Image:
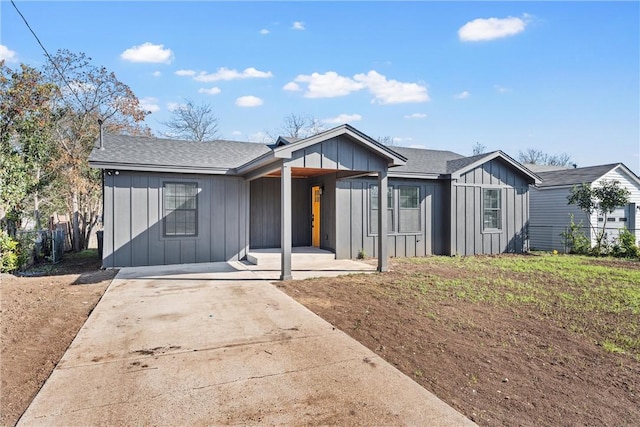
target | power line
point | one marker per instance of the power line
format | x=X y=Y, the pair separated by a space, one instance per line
x=55 y=66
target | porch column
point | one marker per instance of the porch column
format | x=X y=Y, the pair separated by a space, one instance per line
x=383 y=238
x=285 y=225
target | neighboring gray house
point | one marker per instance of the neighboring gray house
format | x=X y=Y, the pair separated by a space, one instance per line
x=550 y=211
x=169 y=201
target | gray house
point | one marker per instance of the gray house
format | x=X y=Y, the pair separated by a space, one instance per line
x=551 y=213
x=169 y=201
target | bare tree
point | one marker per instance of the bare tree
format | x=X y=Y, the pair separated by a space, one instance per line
x=386 y=140
x=479 y=148
x=537 y=157
x=193 y=122
x=298 y=126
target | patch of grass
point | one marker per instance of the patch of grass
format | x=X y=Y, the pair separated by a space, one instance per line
x=612 y=348
x=595 y=299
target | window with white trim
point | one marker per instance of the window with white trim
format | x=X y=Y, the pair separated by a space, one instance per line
x=492 y=209
x=180 y=209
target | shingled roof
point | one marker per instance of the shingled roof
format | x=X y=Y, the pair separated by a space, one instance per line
x=122 y=150
x=423 y=161
x=574 y=176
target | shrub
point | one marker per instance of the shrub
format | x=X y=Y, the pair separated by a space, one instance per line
x=575 y=239
x=9 y=254
x=625 y=245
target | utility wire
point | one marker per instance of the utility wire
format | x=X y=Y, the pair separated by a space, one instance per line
x=55 y=66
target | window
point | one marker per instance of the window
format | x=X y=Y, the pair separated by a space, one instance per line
x=180 y=209
x=492 y=209
x=373 y=204
x=409 y=212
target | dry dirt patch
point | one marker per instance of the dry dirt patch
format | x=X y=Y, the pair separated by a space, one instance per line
x=41 y=315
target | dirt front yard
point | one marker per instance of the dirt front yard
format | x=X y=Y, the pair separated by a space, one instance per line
x=508 y=341
x=40 y=317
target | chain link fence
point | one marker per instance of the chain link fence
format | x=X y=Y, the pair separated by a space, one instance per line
x=549 y=237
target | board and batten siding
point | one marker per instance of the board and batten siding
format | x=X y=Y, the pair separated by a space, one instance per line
x=353 y=232
x=338 y=153
x=467 y=234
x=265 y=207
x=133 y=220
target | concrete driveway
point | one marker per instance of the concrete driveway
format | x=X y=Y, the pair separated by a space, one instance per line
x=217 y=344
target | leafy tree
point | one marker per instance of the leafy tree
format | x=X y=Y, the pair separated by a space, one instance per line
x=83 y=95
x=26 y=151
x=193 y=122
x=603 y=199
x=537 y=157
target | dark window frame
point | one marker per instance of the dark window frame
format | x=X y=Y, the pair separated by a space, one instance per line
x=167 y=211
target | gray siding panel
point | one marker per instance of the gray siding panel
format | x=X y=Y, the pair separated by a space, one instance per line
x=265 y=213
x=352 y=216
x=139 y=224
x=133 y=228
x=467 y=234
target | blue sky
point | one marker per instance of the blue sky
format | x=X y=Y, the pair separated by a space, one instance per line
x=554 y=76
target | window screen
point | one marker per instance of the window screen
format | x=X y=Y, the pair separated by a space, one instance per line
x=180 y=209
x=373 y=211
x=492 y=209
x=409 y=212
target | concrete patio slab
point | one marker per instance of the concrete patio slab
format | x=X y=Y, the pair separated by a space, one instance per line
x=215 y=344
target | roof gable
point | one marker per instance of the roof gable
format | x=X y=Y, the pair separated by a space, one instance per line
x=393 y=158
x=461 y=166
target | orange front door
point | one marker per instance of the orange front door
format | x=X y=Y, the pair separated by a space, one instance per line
x=316 y=192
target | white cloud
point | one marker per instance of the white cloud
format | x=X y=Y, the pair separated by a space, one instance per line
x=291 y=86
x=491 y=28
x=298 y=25
x=501 y=89
x=416 y=116
x=462 y=95
x=156 y=74
x=249 y=101
x=343 y=118
x=236 y=133
x=225 y=74
x=149 y=104
x=211 y=91
x=331 y=85
x=7 y=54
x=264 y=31
x=327 y=85
x=391 y=91
x=148 y=52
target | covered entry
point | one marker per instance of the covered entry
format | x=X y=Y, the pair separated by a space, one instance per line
x=286 y=182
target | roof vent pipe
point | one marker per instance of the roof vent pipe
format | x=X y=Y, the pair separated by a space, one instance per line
x=101 y=140
x=575 y=165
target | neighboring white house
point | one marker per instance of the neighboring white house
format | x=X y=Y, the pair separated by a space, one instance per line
x=550 y=211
